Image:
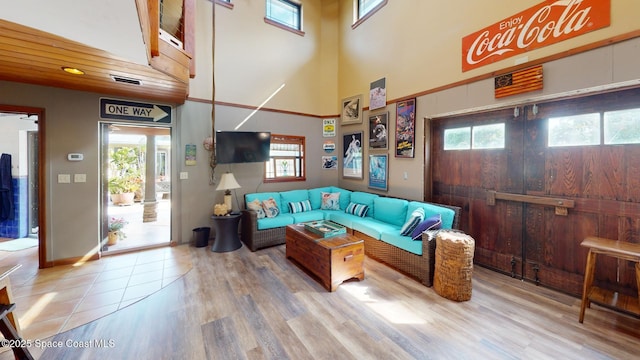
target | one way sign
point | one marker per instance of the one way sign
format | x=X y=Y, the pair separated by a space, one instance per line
x=129 y=110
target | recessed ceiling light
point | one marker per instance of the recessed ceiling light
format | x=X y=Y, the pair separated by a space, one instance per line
x=73 y=71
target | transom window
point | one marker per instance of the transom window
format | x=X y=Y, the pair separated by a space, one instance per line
x=286 y=160
x=479 y=137
x=285 y=12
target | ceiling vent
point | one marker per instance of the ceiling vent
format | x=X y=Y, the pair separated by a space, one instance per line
x=126 y=80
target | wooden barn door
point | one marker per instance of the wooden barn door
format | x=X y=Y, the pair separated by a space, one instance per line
x=530 y=203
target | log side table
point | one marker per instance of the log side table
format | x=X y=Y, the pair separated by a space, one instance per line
x=227 y=238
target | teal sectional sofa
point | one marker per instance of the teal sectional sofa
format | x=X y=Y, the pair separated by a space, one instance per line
x=380 y=227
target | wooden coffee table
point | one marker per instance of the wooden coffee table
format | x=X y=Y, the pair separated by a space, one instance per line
x=333 y=260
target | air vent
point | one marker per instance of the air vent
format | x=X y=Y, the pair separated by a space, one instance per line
x=126 y=80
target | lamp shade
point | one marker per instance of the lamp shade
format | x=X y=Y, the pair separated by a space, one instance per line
x=228 y=182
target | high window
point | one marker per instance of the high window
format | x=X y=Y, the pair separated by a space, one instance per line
x=284 y=12
x=286 y=162
x=363 y=9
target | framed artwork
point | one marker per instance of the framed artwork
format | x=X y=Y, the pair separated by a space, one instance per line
x=190 y=154
x=378 y=131
x=328 y=127
x=352 y=110
x=378 y=94
x=330 y=162
x=352 y=150
x=378 y=166
x=405 y=128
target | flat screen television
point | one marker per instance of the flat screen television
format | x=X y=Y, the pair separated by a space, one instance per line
x=233 y=147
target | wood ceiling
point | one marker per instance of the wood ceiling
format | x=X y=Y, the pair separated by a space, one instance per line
x=32 y=56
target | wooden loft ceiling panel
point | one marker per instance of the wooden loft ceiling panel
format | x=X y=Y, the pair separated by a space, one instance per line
x=32 y=56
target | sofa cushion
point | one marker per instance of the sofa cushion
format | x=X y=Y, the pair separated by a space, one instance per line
x=315 y=196
x=330 y=201
x=256 y=206
x=340 y=217
x=364 y=198
x=357 y=209
x=313 y=215
x=345 y=196
x=373 y=228
x=276 y=222
x=433 y=209
x=271 y=208
x=417 y=216
x=299 y=206
x=431 y=223
x=403 y=242
x=390 y=210
x=290 y=196
x=263 y=196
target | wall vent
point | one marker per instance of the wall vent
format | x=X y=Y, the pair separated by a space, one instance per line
x=126 y=80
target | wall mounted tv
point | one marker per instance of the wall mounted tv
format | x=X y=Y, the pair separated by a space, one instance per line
x=234 y=147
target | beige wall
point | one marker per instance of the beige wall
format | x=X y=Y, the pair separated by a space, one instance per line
x=253 y=59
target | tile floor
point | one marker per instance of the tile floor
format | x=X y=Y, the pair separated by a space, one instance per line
x=53 y=300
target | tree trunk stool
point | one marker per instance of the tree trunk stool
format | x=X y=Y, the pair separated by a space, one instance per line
x=453 y=265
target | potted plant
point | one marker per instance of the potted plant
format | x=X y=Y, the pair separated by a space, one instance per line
x=115 y=230
x=126 y=175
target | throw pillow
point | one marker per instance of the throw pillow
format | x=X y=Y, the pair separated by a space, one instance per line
x=300 y=206
x=256 y=206
x=357 y=209
x=417 y=216
x=270 y=208
x=330 y=201
x=430 y=223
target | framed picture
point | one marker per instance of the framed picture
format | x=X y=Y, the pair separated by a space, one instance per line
x=352 y=159
x=405 y=128
x=378 y=166
x=330 y=162
x=378 y=94
x=378 y=131
x=352 y=110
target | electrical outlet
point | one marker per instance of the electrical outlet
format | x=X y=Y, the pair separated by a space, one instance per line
x=79 y=178
x=184 y=175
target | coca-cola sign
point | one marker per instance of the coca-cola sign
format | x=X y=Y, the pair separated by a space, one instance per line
x=544 y=24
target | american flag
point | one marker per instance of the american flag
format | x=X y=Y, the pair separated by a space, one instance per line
x=518 y=82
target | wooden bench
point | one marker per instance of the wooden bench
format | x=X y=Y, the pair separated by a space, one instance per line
x=617 y=249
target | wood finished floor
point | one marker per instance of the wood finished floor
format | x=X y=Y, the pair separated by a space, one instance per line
x=243 y=305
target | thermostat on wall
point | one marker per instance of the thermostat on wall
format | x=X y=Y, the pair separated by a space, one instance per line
x=75 y=157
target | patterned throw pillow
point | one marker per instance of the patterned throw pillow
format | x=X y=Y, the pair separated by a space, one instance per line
x=270 y=208
x=330 y=201
x=357 y=209
x=300 y=206
x=417 y=216
x=430 y=223
x=256 y=206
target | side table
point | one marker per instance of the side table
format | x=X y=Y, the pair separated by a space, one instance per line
x=227 y=238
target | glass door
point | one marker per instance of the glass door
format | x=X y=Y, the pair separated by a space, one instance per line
x=136 y=187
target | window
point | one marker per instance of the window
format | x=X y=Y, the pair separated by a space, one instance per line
x=457 y=139
x=363 y=9
x=225 y=3
x=480 y=137
x=284 y=12
x=488 y=137
x=621 y=127
x=575 y=130
x=286 y=162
